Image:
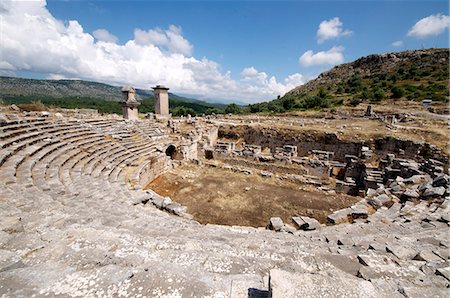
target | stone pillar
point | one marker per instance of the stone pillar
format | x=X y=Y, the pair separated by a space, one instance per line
x=369 y=111
x=129 y=103
x=161 y=100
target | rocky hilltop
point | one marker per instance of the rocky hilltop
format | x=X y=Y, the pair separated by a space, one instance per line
x=415 y=67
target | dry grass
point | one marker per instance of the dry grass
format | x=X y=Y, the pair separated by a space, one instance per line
x=35 y=106
x=223 y=197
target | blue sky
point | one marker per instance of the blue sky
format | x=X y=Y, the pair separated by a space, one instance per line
x=234 y=50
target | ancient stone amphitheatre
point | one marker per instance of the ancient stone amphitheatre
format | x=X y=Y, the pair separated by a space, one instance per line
x=341 y=203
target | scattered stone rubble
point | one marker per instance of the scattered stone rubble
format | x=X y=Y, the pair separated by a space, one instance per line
x=74 y=223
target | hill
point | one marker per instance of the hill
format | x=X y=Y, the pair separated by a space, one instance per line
x=411 y=75
x=86 y=94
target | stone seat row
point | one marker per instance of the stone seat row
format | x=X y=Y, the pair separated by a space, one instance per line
x=30 y=152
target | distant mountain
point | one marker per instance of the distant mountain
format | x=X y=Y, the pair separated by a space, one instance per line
x=410 y=75
x=71 y=93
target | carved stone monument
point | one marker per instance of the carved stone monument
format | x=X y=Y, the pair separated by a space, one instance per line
x=129 y=103
x=161 y=100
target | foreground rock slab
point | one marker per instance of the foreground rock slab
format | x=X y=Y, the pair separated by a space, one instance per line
x=324 y=284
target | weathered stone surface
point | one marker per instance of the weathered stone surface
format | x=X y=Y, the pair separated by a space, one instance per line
x=339 y=216
x=420 y=292
x=401 y=251
x=306 y=223
x=359 y=211
x=427 y=256
x=11 y=224
x=384 y=199
x=443 y=180
x=445 y=272
x=328 y=284
x=276 y=223
x=374 y=202
x=434 y=191
x=411 y=193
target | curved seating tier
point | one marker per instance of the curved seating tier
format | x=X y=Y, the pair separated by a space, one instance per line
x=53 y=154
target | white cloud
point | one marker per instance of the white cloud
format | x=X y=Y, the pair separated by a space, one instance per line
x=170 y=39
x=261 y=81
x=251 y=74
x=331 y=57
x=57 y=76
x=33 y=40
x=331 y=29
x=397 y=43
x=104 y=35
x=430 y=26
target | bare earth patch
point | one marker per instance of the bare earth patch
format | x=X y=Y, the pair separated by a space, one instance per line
x=224 y=197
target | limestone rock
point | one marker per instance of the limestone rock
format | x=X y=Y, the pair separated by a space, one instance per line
x=445 y=272
x=276 y=223
x=359 y=211
x=339 y=216
x=434 y=191
x=327 y=284
x=427 y=256
x=443 y=180
x=11 y=224
x=306 y=223
x=411 y=193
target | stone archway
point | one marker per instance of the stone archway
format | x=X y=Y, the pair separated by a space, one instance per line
x=171 y=151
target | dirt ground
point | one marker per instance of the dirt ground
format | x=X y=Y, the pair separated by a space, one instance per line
x=224 y=197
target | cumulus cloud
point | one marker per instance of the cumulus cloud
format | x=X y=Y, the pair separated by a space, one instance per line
x=104 y=35
x=397 y=43
x=331 y=29
x=171 y=39
x=331 y=57
x=251 y=74
x=33 y=40
x=261 y=81
x=430 y=26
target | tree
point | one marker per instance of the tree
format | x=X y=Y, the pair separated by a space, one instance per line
x=379 y=95
x=288 y=103
x=183 y=111
x=232 y=109
x=397 y=92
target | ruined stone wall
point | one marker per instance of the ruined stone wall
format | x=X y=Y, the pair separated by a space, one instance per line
x=305 y=142
x=152 y=169
x=269 y=167
x=409 y=149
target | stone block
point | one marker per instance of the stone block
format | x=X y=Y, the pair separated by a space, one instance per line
x=306 y=223
x=411 y=193
x=11 y=224
x=331 y=283
x=276 y=223
x=427 y=256
x=176 y=208
x=375 y=203
x=434 y=191
x=443 y=180
x=445 y=272
x=359 y=211
x=339 y=216
x=400 y=251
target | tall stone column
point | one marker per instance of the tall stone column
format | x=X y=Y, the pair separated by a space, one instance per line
x=161 y=100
